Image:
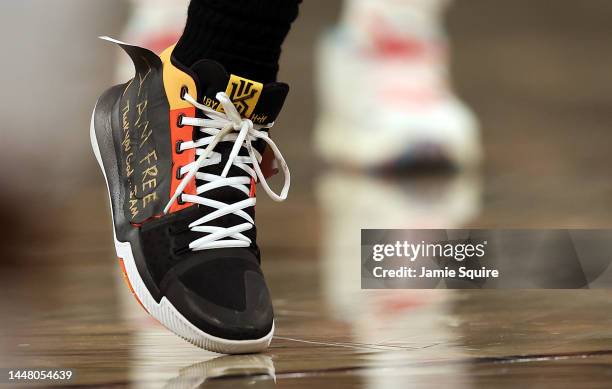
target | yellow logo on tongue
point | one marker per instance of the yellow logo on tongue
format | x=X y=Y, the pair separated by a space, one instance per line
x=244 y=94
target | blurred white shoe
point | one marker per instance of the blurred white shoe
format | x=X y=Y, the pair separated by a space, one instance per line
x=385 y=95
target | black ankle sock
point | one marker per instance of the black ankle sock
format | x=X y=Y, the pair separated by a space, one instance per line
x=245 y=36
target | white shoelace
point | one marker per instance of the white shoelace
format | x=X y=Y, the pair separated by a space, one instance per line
x=221 y=127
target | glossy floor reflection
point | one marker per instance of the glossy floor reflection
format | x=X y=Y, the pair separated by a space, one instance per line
x=72 y=312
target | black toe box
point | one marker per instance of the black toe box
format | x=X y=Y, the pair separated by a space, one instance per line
x=223 y=293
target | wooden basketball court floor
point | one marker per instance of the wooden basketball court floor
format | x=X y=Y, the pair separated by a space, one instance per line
x=538 y=76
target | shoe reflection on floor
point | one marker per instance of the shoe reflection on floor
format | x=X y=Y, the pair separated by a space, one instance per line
x=161 y=359
x=259 y=368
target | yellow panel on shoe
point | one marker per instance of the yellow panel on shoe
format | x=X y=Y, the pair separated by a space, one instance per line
x=174 y=80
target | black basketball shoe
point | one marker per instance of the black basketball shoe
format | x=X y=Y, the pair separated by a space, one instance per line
x=182 y=150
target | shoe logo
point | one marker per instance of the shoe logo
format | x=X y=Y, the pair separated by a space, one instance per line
x=244 y=94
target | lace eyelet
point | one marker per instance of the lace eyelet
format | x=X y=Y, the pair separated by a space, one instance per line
x=178 y=147
x=180 y=201
x=179 y=121
x=184 y=91
x=178 y=173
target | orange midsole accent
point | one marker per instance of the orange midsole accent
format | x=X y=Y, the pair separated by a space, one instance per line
x=127 y=281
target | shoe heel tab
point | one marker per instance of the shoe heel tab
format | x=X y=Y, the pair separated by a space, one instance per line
x=144 y=60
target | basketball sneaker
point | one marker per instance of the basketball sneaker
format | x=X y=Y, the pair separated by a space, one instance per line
x=385 y=94
x=182 y=150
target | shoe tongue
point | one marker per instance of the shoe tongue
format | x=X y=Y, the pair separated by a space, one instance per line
x=259 y=103
x=256 y=101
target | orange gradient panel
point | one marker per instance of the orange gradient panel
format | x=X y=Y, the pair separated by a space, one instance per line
x=253 y=188
x=181 y=134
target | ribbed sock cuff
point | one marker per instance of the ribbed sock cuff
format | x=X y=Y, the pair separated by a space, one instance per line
x=244 y=35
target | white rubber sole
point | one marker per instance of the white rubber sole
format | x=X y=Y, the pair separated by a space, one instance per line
x=164 y=311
